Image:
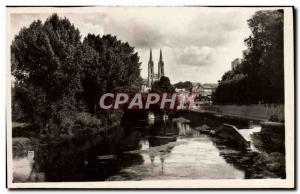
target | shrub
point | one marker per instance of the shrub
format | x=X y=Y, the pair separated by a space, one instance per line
x=87 y=119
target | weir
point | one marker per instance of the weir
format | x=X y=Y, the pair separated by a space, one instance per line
x=234 y=131
x=233 y=135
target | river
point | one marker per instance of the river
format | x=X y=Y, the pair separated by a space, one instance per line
x=157 y=150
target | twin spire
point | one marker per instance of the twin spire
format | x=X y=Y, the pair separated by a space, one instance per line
x=160 y=55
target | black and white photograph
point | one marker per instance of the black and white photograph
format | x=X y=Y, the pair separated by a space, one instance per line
x=150 y=97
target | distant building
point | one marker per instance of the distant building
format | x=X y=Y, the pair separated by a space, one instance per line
x=182 y=92
x=198 y=90
x=235 y=63
x=145 y=87
x=209 y=89
x=203 y=92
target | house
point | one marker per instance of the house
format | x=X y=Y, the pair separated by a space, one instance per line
x=145 y=87
x=198 y=90
x=209 y=89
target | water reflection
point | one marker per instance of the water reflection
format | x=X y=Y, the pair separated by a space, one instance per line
x=161 y=149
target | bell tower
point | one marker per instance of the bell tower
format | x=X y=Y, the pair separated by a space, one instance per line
x=150 y=70
x=161 y=71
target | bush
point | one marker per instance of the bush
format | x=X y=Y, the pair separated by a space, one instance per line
x=87 y=119
x=273 y=162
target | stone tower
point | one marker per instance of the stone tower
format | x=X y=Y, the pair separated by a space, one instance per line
x=161 y=71
x=150 y=70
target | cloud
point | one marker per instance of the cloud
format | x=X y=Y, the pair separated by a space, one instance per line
x=91 y=18
x=198 y=43
x=147 y=27
x=195 y=56
x=213 y=28
x=136 y=32
x=155 y=27
x=87 y=22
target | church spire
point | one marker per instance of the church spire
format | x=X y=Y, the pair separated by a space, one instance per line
x=160 y=56
x=150 y=70
x=161 y=71
x=150 y=58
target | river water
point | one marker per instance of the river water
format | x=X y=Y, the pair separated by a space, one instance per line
x=157 y=150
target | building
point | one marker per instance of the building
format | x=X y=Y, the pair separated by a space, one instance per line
x=152 y=77
x=182 y=92
x=203 y=92
x=198 y=90
x=209 y=89
x=144 y=87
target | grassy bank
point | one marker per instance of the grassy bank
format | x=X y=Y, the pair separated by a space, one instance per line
x=259 y=111
x=27 y=137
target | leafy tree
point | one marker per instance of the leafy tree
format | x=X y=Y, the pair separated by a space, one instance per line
x=266 y=54
x=91 y=77
x=46 y=65
x=113 y=65
x=163 y=86
x=118 y=60
x=54 y=71
x=259 y=78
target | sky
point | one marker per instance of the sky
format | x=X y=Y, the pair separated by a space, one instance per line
x=198 y=43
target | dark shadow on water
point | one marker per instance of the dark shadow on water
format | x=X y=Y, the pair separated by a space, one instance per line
x=95 y=158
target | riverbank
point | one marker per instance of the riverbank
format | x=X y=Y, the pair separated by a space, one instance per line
x=267 y=159
x=269 y=117
x=260 y=112
x=27 y=137
x=37 y=156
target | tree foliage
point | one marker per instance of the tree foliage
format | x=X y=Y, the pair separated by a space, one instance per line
x=46 y=64
x=259 y=78
x=57 y=75
x=113 y=64
x=184 y=85
x=163 y=86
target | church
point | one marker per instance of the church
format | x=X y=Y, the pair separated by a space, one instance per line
x=152 y=77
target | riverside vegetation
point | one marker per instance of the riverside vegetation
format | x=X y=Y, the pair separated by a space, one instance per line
x=259 y=76
x=59 y=76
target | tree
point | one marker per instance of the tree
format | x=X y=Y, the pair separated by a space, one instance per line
x=115 y=65
x=46 y=65
x=163 y=86
x=260 y=75
x=184 y=85
x=266 y=54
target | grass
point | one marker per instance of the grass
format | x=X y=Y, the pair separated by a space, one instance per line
x=261 y=111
